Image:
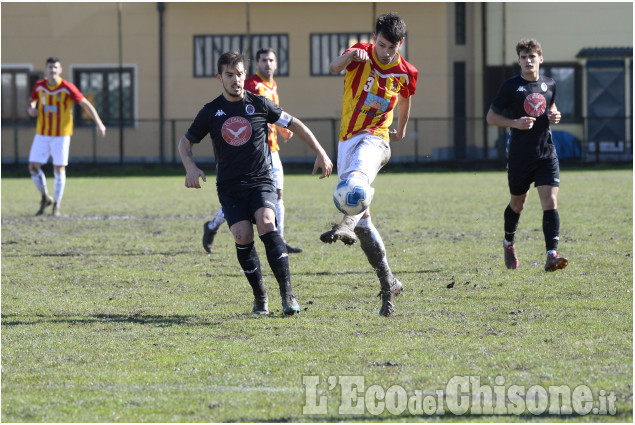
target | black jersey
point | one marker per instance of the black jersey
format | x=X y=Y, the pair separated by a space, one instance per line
x=239 y=136
x=518 y=97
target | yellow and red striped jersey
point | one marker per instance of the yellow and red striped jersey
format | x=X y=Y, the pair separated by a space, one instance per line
x=371 y=92
x=55 y=107
x=258 y=85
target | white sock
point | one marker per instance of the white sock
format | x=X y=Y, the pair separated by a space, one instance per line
x=352 y=220
x=280 y=216
x=60 y=184
x=219 y=219
x=552 y=252
x=40 y=181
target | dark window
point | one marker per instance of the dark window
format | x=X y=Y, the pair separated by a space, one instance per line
x=326 y=47
x=459 y=23
x=101 y=87
x=460 y=111
x=16 y=90
x=208 y=48
x=568 y=80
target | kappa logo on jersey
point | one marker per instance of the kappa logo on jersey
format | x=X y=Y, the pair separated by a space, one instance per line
x=535 y=105
x=236 y=131
x=220 y=113
x=521 y=88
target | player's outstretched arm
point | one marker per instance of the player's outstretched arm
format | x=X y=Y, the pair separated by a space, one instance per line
x=192 y=172
x=322 y=161
x=90 y=110
x=341 y=62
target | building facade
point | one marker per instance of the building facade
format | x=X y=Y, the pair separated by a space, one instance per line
x=149 y=67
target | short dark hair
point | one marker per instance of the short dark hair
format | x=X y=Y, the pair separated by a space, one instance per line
x=528 y=45
x=391 y=26
x=264 y=51
x=231 y=59
x=53 y=59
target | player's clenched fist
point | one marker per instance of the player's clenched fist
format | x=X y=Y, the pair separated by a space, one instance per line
x=359 y=55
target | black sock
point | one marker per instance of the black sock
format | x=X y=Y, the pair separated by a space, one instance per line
x=278 y=259
x=551 y=229
x=511 y=224
x=250 y=263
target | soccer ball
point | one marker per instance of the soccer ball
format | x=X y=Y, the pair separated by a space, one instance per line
x=353 y=195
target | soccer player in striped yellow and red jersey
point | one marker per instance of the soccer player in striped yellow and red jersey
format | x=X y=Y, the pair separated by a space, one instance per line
x=377 y=81
x=52 y=103
x=262 y=83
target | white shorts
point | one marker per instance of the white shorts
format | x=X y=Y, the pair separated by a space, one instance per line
x=365 y=153
x=278 y=175
x=44 y=147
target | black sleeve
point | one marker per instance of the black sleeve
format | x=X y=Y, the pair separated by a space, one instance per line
x=273 y=111
x=199 y=127
x=502 y=100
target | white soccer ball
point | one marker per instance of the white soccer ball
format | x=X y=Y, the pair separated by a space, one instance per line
x=353 y=195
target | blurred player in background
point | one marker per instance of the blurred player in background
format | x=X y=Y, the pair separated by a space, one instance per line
x=237 y=121
x=52 y=103
x=377 y=80
x=261 y=83
x=529 y=99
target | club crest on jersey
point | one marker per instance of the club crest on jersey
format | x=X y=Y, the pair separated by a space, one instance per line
x=250 y=109
x=535 y=105
x=544 y=87
x=236 y=131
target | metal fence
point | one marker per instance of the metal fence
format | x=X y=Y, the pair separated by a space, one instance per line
x=428 y=140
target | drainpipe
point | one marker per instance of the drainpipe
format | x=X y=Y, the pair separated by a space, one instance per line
x=161 y=10
x=484 y=73
x=120 y=37
x=248 y=40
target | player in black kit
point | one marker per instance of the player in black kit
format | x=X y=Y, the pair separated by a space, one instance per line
x=526 y=104
x=237 y=123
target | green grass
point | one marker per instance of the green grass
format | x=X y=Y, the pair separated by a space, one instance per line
x=114 y=313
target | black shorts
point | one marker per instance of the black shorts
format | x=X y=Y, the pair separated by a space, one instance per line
x=240 y=205
x=541 y=172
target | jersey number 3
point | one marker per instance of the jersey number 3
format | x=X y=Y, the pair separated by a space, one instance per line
x=369 y=84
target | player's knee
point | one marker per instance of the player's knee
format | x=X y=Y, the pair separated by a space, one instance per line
x=550 y=203
x=517 y=203
x=517 y=207
x=33 y=168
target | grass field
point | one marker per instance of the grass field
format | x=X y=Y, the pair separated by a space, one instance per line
x=114 y=313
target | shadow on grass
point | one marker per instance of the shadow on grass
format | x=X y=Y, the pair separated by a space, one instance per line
x=143 y=319
x=162 y=321
x=397 y=273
